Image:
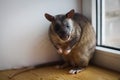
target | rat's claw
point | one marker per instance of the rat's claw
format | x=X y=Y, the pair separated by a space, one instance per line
x=72 y=71
x=75 y=71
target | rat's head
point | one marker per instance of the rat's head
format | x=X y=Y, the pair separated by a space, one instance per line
x=62 y=24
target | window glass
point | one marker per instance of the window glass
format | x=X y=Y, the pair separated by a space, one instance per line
x=110 y=23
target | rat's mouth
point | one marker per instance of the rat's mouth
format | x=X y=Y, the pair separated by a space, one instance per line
x=64 y=37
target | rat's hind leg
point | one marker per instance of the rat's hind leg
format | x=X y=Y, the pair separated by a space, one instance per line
x=76 y=70
x=83 y=63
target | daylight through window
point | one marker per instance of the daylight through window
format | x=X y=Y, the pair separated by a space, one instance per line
x=110 y=23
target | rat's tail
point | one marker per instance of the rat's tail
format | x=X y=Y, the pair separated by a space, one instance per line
x=21 y=71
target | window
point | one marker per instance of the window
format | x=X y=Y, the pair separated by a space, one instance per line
x=108 y=22
x=107 y=31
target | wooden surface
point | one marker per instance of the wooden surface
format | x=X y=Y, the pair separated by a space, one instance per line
x=51 y=73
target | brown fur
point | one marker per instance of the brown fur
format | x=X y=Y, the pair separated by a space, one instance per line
x=82 y=41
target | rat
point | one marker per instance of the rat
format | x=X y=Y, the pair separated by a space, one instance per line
x=74 y=38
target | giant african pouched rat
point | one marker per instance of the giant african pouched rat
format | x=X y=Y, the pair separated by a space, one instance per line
x=74 y=38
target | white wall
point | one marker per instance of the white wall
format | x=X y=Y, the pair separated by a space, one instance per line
x=24 y=31
x=86 y=8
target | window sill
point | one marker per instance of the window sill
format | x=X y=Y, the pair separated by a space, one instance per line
x=107 y=58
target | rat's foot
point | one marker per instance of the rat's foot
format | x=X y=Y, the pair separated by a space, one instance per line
x=62 y=66
x=76 y=70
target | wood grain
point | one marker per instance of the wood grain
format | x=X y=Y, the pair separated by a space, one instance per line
x=51 y=73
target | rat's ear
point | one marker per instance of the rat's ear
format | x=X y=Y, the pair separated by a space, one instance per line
x=49 y=17
x=70 y=14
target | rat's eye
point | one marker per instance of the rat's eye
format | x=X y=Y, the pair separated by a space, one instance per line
x=67 y=26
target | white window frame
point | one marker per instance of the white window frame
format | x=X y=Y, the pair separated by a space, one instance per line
x=104 y=57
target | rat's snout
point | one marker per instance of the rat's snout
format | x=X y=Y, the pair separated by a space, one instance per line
x=64 y=35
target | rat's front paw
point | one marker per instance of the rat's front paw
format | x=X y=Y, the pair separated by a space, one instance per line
x=67 y=51
x=60 y=51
